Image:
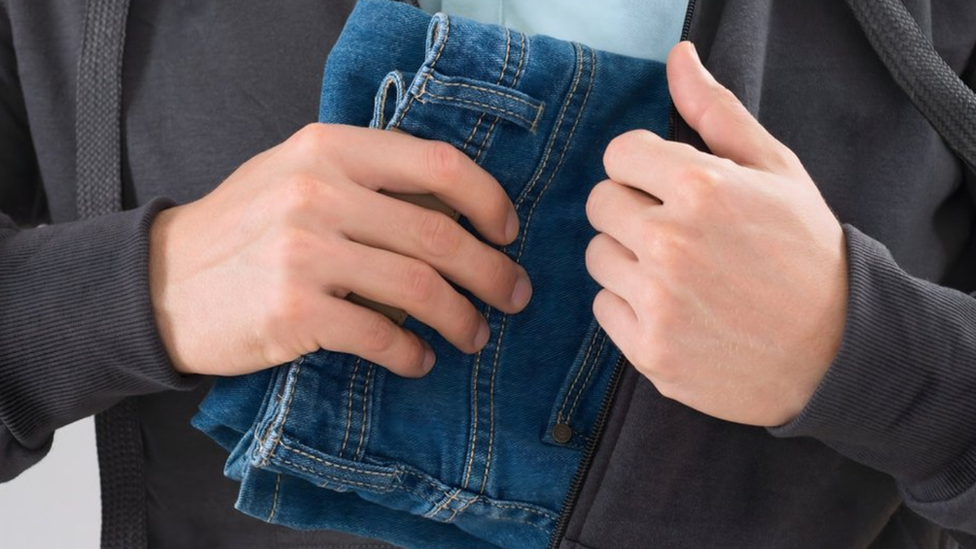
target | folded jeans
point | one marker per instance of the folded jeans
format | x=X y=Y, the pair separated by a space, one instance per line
x=482 y=451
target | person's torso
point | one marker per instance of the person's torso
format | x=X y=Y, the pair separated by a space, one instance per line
x=208 y=85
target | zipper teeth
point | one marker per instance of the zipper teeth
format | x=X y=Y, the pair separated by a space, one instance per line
x=601 y=422
x=685 y=30
x=588 y=454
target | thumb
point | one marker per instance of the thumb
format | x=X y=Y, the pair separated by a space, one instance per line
x=721 y=120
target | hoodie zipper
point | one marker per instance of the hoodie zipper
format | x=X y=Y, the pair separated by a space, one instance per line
x=586 y=462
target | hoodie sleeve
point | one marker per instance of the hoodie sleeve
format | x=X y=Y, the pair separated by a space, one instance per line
x=77 y=330
x=900 y=395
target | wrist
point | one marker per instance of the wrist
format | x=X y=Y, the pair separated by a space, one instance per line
x=163 y=243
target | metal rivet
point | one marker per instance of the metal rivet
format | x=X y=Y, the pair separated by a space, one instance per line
x=562 y=433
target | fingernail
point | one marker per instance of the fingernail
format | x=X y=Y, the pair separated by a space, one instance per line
x=511 y=226
x=523 y=290
x=429 y=360
x=694 y=51
x=481 y=339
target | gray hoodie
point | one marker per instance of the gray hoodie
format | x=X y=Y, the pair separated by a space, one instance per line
x=883 y=457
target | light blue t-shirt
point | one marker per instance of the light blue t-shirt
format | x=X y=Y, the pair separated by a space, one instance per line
x=639 y=28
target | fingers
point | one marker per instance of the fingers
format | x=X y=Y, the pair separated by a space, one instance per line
x=413 y=286
x=725 y=125
x=612 y=266
x=398 y=162
x=620 y=211
x=436 y=239
x=374 y=337
x=618 y=320
x=643 y=160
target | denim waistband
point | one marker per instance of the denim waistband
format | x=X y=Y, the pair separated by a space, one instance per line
x=481 y=452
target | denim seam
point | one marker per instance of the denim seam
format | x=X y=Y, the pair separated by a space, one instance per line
x=475 y=499
x=365 y=419
x=457 y=511
x=555 y=132
x=525 y=522
x=352 y=382
x=583 y=366
x=491 y=390
x=481 y=118
x=484 y=142
x=478 y=498
x=594 y=367
x=513 y=114
x=509 y=96
x=474 y=130
x=447 y=494
x=336 y=480
x=274 y=499
x=543 y=514
x=477 y=126
x=443 y=503
x=284 y=416
x=433 y=63
x=504 y=321
x=523 y=52
x=474 y=409
x=562 y=155
x=267 y=431
x=333 y=464
x=491 y=405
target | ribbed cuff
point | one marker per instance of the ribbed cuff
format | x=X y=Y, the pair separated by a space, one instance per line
x=77 y=329
x=900 y=395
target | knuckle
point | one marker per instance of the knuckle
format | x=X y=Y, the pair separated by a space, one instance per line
x=781 y=159
x=379 y=334
x=651 y=298
x=291 y=251
x=419 y=282
x=721 y=102
x=727 y=98
x=470 y=325
x=591 y=254
x=288 y=309
x=444 y=162
x=699 y=182
x=312 y=139
x=623 y=147
x=439 y=234
x=649 y=232
x=502 y=275
x=655 y=360
x=666 y=247
x=412 y=359
x=700 y=187
x=300 y=193
x=596 y=199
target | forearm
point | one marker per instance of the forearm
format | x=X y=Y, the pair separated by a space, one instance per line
x=901 y=394
x=77 y=331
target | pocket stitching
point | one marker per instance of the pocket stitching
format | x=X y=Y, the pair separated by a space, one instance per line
x=352 y=382
x=584 y=366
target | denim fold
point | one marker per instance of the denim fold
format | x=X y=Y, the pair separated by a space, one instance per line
x=483 y=450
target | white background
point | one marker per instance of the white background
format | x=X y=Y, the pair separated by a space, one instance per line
x=55 y=504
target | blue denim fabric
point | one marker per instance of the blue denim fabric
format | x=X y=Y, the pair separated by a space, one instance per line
x=481 y=452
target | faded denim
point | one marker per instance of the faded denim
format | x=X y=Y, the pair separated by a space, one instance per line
x=481 y=452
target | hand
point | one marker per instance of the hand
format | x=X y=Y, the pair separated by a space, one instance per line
x=725 y=274
x=255 y=273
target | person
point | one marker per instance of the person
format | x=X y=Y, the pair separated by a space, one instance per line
x=803 y=350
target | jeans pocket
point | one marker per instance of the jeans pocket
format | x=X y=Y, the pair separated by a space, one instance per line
x=577 y=403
